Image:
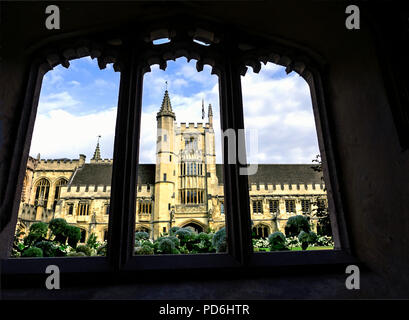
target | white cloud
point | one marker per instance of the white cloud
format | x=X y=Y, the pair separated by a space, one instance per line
x=60 y=134
x=280 y=109
x=62 y=100
x=53 y=77
x=276 y=105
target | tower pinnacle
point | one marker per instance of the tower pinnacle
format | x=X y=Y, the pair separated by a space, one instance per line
x=166 y=108
x=210 y=114
x=97 y=152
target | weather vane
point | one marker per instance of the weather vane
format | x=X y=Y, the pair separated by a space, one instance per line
x=166 y=85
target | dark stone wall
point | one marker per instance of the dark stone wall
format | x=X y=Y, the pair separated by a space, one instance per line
x=373 y=171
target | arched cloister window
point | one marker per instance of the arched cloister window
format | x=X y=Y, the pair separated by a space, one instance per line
x=57 y=190
x=42 y=191
x=234 y=203
x=261 y=231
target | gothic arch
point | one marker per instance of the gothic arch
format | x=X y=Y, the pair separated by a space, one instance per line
x=142 y=228
x=261 y=230
x=58 y=183
x=196 y=225
x=42 y=190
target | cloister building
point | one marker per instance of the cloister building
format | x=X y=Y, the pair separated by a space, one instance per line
x=183 y=188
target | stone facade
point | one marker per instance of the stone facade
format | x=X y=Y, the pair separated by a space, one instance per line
x=183 y=188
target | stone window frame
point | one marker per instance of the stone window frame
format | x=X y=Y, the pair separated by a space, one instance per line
x=288 y=206
x=271 y=203
x=80 y=205
x=71 y=207
x=231 y=51
x=257 y=206
x=302 y=201
x=47 y=187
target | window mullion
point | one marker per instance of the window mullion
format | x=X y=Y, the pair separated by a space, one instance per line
x=236 y=186
x=124 y=171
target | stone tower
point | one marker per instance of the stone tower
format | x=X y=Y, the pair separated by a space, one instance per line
x=166 y=163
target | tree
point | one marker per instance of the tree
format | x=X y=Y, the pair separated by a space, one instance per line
x=38 y=232
x=296 y=224
x=321 y=211
x=277 y=241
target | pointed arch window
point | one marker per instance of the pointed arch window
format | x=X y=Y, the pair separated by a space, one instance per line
x=42 y=191
x=57 y=190
x=127 y=145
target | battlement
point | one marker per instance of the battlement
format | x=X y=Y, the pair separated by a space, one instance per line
x=143 y=189
x=287 y=188
x=98 y=190
x=88 y=190
x=102 y=161
x=60 y=164
x=191 y=125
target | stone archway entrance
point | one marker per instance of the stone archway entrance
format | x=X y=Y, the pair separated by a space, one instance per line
x=194 y=226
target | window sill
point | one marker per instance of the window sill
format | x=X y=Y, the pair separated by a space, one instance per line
x=30 y=272
x=180 y=261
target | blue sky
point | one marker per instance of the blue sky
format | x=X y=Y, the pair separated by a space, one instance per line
x=78 y=104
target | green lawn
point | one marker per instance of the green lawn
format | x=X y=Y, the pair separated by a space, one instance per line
x=297 y=249
x=313 y=248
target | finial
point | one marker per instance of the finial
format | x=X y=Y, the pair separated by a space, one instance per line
x=97 y=152
x=166 y=85
x=166 y=108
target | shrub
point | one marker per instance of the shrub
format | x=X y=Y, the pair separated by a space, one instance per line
x=84 y=249
x=39 y=228
x=73 y=234
x=32 y=252
x=38 y=232
x=277 y=241
x=203 y=236
x=92 y=241
x=295 y=225
x=304 y=238
x=307 y=238
x=313 y=238
x=141 y=235
x=219 y=240
x=166 y=246
x=183 y=250
x=292 y=242
x=173 y=230
x=102 y=250
x=76 y=254
x=142 y=243
x=58 y=229
x=144 y=250
x=261 y=243
x=49 y=248
x=174 y=239
x=184 y=235
x=325 y=241
x=203 y=243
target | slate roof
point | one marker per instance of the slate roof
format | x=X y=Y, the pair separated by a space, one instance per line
x=281 y=174
x=100 y=174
